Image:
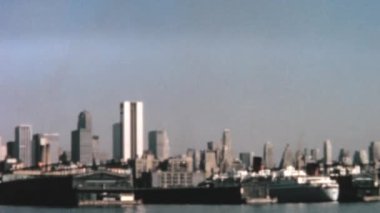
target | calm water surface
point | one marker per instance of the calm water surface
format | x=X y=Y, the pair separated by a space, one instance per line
x=287 y=208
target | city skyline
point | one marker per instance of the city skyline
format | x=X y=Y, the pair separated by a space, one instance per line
x=291 y=73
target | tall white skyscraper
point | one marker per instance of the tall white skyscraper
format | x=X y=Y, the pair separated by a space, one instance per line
x=268 y=156
x=132 y=130
x=327 y=152
x=23 y=144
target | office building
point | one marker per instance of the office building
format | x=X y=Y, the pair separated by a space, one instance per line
x=131 y=130
x=374 y=153
x=314 y=155
x=82 y=140
x=170 y=179
x=11 y=149
x=211 y=146
x=268 y=156
x=23 y=144
x=159 y=144
x=3 y=150
x=246 y=159
x=287 y=157
x=197 y=158
x=345 y=157
x=300 y=159
x=45 y=149
x=227 y=155
x=116 y=138
x=361 y=158
x=210 y=166
x=327 y=153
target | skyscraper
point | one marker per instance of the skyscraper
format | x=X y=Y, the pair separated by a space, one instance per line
x=361 y=158
x=227 y=156
x=23 y=143
x=45 y=149
x=247 y=159
x=3 y=150
x=268 y=155
x=314 y=154
x=327 y=153
x=374 y=153
x=131 y=130
x=159 y=144
x=11 y=149
x=345 y=157
x=81 y=140
x=116 y=137
x=287 y=157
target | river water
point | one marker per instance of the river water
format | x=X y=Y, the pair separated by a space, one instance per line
x=287 y=208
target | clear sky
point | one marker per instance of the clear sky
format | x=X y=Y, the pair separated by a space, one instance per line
x=294 y=72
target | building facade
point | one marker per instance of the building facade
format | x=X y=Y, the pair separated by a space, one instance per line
x=268 y=155
x=45 y=149
x=246 y=159
x=116 y=138
x=327 y=153
x=131 y=130
x=23 y=144
x=82 y=140
x=159 y=144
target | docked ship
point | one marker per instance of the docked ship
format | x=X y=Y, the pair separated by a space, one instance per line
x=356 y=188
x=295 y=186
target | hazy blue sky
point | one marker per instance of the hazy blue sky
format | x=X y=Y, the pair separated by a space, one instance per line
x=294 y=72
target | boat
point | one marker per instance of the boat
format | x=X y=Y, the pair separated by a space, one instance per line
x=358 y=188
x=297 y=187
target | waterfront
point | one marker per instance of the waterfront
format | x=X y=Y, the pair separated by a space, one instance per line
x=286 y=208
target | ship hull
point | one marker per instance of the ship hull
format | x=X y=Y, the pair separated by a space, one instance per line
x=192 y=195
x=304 y=194
x=48 y=191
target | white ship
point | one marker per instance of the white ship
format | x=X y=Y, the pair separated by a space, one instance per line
x=295 y=186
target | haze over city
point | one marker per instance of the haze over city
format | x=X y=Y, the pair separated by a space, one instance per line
x=284 y=71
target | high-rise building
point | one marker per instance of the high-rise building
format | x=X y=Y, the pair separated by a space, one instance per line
x=195 y=155
x=210 y=165
x=327 y=153
x=246 y=159
x=227 y=156
x=23 y=143
x=300 y=159
x=81 y=140
x=45 y=149
x=361 y=158
x=116 y=137
x=287 y=157
x=3 y=150
x=211 y=146
x=132 y=130
x=96 y=148
x=268 y=155
x=374 y=153
x=314 y=153
x=159 y=144
x=11 y=149
x=345 y=157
